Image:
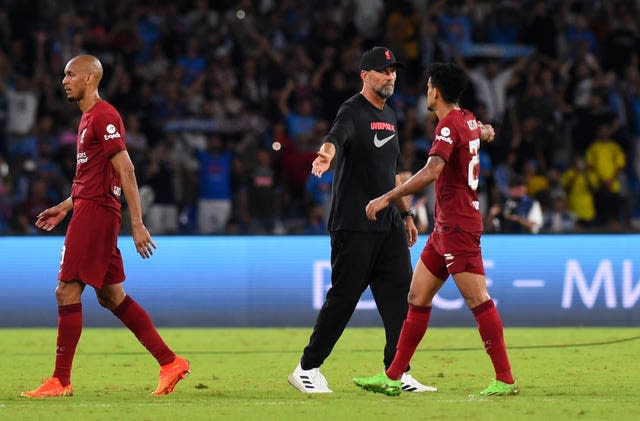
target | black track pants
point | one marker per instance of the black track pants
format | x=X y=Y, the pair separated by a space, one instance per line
x=360 y=259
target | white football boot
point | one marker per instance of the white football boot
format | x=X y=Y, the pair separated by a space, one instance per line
x=309 y=381
x=409 y=384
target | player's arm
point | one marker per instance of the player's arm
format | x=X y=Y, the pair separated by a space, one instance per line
x=49 y=218
x=342 y=130
x=403 y=205
x=141 y=237
x=418 y=181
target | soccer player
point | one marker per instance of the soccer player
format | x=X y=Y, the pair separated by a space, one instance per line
x=363 y=139
x=453 y=247
x=90 y=255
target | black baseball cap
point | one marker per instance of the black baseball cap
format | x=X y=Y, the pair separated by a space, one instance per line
x=378 y=58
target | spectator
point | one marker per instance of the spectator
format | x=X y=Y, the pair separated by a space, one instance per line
x=456 y=25
x=37 y=200
x=22 y=105
x=581 y=184
x=490 y=82
x=192 y=62
x=300 y=122
x=518 y=213
x=579 y=33
x=607 y=159
x=316 y=222
x=261 y=197
x=160 y=176
x=137 y=141
x=557 y=218
x=4 y=102
x=6 y=207
x=318 y=191
x=214 y=198
x=195 y=70
x=504 y=173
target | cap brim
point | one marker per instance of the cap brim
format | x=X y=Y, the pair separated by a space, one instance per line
x=397 y=65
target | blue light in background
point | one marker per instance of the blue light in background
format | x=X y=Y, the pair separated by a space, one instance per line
x=568 y=280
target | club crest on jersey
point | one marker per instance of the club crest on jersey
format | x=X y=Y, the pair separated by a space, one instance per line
x=445 y=132
x=113 y=133
x=81 y=158
x=117 y=190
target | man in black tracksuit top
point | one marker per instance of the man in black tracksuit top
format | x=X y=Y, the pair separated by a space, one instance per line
x=364 y=141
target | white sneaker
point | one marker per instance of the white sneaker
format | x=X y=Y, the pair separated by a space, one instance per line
x=309 y=381
x=409 y=384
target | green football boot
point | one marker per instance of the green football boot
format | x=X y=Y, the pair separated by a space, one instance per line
x=498 y=388
x=379 y=383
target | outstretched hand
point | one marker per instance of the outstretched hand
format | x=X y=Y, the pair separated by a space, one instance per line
x=321 y=164
x=49 y=218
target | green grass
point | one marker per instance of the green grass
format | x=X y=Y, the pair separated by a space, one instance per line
x=569 y=373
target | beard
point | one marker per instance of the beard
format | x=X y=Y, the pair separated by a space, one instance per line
x=431 y=107
x=385 y=91
x=74 y=98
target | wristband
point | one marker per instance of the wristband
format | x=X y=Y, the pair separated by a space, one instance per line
x=410 y=213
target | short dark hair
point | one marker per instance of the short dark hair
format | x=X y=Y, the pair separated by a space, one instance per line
x=450 y=79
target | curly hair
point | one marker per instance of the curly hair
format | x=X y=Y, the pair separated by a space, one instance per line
x=450 y=79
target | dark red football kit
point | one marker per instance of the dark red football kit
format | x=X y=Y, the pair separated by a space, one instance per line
x=90 y=251
x=454 y=245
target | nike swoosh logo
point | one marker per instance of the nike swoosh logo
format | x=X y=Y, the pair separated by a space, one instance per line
x=380 y=142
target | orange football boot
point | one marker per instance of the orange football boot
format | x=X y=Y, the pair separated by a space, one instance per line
x=171 y=374
x=50 y=388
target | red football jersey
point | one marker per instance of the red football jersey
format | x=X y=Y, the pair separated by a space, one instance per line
x=101 y=135
x=457 y=141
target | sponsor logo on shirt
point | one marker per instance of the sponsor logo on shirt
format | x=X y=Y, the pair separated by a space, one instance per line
x=81 y=158
x=473 y=124
x=380 y=142
x=444 y=134
x=381 y=125
x=444 y=139
x=475 y=204
x=112 y=132
x=82 y=135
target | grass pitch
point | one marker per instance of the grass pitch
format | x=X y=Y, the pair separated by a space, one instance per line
x=568 y=373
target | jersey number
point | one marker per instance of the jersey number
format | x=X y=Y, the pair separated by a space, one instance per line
x=473 y=172
x=64 y=249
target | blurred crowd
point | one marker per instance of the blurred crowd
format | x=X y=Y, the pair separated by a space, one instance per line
x=226 y=101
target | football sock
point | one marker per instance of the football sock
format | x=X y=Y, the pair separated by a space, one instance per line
x=69 y=330
x=491 y=332
x=413 y=330
x=138 y=321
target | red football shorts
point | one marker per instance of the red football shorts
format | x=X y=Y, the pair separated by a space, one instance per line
x=90 y=252
x=452 y=252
